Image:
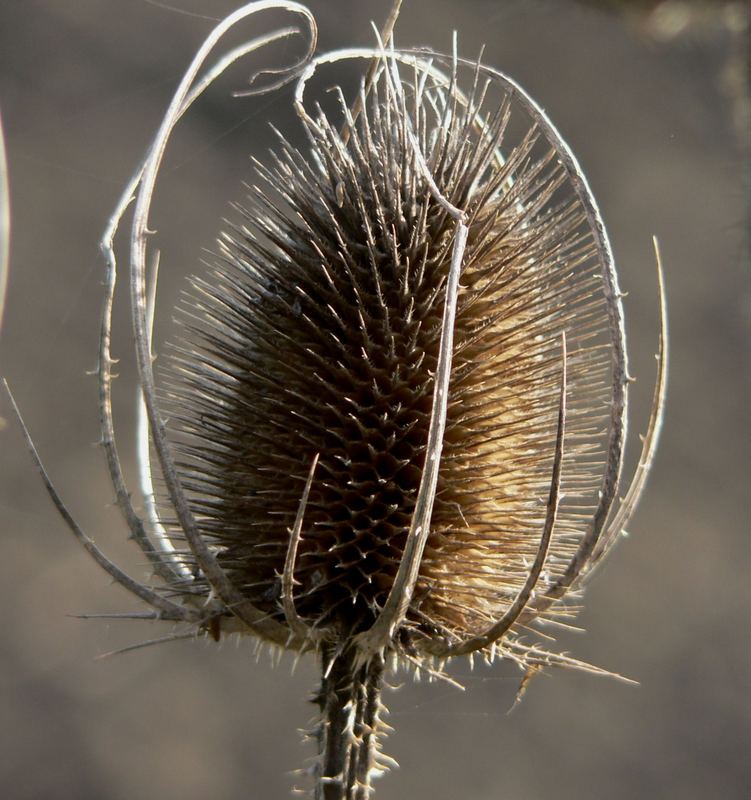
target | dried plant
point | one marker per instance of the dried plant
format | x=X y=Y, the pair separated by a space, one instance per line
x=398 y=410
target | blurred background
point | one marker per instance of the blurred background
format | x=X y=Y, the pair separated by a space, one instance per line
x=652 y=102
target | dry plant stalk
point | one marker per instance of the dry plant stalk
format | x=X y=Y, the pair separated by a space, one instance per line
x=398 y=412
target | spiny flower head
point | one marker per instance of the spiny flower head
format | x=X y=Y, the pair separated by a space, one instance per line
x=398 y=408
x=317 y=337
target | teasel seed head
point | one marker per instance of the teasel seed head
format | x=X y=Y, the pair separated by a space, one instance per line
x=398 y=410
x=316 y=337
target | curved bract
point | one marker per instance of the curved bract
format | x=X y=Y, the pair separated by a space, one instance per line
x=4 y=222
x=398 y=411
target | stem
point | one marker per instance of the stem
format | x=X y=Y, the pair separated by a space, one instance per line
x=350 y=701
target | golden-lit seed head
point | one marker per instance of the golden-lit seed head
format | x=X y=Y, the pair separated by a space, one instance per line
x=317 y=332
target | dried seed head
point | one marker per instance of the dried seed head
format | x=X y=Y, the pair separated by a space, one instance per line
x=318 y=333
x=399 y=406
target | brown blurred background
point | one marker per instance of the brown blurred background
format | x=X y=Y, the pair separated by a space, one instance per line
x=648 y=106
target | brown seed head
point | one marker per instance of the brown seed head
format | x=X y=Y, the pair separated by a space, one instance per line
x=399 y=405
x=318 y=332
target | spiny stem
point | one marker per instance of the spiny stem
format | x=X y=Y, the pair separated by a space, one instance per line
x=350 y=701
